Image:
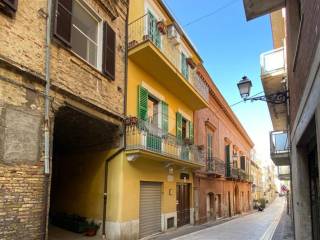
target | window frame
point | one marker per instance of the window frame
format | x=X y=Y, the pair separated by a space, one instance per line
x=159 y=110
x=86 y=7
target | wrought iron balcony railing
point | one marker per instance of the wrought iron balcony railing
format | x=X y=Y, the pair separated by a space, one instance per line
x=142 y=135
x=139 y=31
x=238 y=173
x=216 y=166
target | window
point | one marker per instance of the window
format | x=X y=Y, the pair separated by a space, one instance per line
x=153 y=110
x=243 y=162
x=9 y=7
x=209 y=144
x=184 y=128
x=81 y=30
x=84 y=33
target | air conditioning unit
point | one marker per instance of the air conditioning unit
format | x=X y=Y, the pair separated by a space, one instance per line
x=173 y=34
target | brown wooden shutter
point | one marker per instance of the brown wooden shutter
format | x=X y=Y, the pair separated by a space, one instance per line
x=12 y=4
x=109 y=45
x=63 y=21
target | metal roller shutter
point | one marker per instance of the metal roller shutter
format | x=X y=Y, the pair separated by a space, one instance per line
x=150 y=208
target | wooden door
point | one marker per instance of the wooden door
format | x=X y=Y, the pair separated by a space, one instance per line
x=183 y=204
x=229 y=204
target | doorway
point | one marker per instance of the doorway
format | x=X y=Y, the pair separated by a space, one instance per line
x=218 y=206
x=183 y=204
x=210 y=206
x=237 y=200
x=229 y=204
x=150 y=208
x=314 y=188
x=80 y=144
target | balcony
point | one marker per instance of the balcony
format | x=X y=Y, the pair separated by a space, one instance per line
x=280 y=148
x=147 y=141
x=283 y=172
x=238 y=174
x=273 y=72
x=257 y=8
x=161 y=58
x=215 y=166
x=272 y=62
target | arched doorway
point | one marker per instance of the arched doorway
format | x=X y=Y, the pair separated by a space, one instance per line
x=237 y=200
x=210 y=206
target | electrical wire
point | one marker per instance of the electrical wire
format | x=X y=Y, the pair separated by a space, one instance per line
x=244 y=100
x=211 y=13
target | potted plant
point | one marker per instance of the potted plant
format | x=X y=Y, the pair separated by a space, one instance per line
x=162 y=27
x=92 y=229
x=191 y=63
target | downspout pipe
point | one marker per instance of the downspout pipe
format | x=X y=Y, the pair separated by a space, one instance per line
x=47 y=90
x=47 y=119
x=105 y=194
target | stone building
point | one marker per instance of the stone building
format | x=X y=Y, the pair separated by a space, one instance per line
x=62 y=102
x=298 y=120
x=223 y=186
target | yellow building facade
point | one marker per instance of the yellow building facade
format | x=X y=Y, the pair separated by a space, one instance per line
x=257 y=184
x=150 y=184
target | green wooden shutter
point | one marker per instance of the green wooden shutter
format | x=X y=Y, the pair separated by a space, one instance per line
x=227 y=153
x=153 y=31
x=142 y=103
x=165 y=117
x=184 y=66
x=179 y=126
x=191 y=131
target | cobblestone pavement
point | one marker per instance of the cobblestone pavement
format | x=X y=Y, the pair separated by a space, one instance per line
x=256 y=226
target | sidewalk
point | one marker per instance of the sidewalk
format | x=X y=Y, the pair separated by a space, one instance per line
x=284 y=230
x=194 y=228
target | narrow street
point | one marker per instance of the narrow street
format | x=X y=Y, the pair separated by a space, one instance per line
x=259 y=225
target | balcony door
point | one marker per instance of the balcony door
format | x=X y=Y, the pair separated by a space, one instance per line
x=153 y=138
x=153 y=32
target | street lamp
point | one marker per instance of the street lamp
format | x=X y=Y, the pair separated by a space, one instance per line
x=245 y=85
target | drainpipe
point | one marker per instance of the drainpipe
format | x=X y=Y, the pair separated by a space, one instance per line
x=105 y=194
x=47 y=89
x=47 y=119
x=106 y=190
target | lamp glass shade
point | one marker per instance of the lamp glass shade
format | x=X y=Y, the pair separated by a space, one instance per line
x=244 y=86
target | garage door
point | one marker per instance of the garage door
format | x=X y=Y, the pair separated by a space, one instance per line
x=150 y=208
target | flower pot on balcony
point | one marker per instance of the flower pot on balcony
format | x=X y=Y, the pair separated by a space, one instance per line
x=162 y=27
x=130 y=121
x=187 y=141
x=191 y=63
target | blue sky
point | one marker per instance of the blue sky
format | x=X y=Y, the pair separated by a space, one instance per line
x=230 y=48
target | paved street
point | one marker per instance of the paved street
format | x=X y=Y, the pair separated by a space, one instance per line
x=260 y=225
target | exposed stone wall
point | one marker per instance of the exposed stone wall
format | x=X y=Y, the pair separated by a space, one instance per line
x=22 y=201
x=22 y=179
x=23 y=184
